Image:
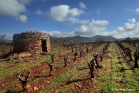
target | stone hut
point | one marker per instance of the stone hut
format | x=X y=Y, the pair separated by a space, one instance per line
x=32 y=42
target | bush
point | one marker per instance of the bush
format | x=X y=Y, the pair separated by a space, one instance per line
x=11 y=90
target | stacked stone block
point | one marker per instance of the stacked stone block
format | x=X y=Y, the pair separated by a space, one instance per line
x=30 y=41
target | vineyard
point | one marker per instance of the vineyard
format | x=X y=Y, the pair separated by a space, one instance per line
x=98 y=67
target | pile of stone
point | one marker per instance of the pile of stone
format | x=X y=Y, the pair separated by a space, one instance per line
x=30 y=41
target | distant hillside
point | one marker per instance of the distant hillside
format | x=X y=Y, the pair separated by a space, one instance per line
x=90 y=39
x=79 y=39
x=106 y=38
x=133 y=38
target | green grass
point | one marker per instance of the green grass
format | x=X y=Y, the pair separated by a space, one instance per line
x=105 y=78
x=20 y=67
x=11 y=90
x=54 y=82
x=111 y=73
x=108 y=88
x=121 y=80
x=73 y=74
x=63 y=76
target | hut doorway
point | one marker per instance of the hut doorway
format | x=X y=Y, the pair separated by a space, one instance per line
x=44 y=48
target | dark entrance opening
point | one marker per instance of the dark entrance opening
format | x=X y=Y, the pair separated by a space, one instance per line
x=44 y=48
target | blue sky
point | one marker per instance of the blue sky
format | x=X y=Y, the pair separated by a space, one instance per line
x=64 y=18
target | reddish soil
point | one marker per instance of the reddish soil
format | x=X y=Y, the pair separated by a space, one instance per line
x=43 y=80
x=84 y=84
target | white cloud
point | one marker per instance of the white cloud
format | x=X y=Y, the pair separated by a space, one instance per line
x=130 y=29
x=63 y=12
x=59 y=34
x=59 y=13
x=129 y=26
x=39 y=12
x=99 y=22
x=137 y=10
x=92 y=28
x=75 y=12
x=8 y=36
x=76 y=20
x=82 y=5
x=21 y=18
x=13 y=7
x=98 y=27
x=133 y=20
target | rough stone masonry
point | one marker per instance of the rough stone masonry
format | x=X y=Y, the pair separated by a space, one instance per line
x=32 y=42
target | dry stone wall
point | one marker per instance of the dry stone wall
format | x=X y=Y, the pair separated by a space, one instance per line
x=31 y=41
